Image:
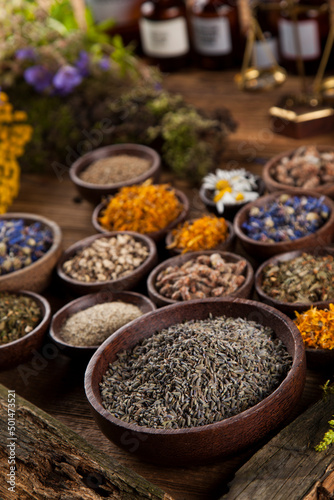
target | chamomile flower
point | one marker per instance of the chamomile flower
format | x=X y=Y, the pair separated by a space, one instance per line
x=231 y=186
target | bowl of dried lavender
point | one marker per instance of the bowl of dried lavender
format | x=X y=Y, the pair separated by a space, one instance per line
x=197 y=381
x=30 y=246
x=150 y=209
x=307 y=167
x=285 y=221
x=24 y=319
x=83 y=324
x=200 y=275
x=105 y=170
x=295 y=281
x=117 y=261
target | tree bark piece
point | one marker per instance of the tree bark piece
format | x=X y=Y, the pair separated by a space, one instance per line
x=288 y=467
x=55 y=463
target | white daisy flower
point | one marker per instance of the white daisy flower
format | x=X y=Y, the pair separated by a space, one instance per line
x=231 y=186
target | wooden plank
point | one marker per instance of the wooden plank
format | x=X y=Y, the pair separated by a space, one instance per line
x=288 y=467
x=53 y=462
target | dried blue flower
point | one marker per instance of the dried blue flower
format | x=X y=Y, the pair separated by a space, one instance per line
x=66 y=79
x=286 y=218
x=25 y=54
x=104 y=63
x=39 y=77
x=82 y=63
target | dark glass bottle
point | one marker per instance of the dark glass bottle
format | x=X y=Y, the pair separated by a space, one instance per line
x=164 y=33
x=215 y=33
x=312 y=26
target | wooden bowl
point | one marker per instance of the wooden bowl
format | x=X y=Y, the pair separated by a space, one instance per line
x=262 y=250
x=230 y=210
x=156 y=235
x=95 y=192
x=213 y=441
x=122 y=284
x=37 y=276
x=289 y=308
x=320 y=359
x=82 y=303
x=225 y=246
x=244 y=291
x=274 y=185
x=20 y=350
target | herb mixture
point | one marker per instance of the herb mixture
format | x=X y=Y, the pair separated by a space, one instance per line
x=19 y=315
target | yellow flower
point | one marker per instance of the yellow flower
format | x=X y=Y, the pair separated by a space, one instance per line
x=14 y=134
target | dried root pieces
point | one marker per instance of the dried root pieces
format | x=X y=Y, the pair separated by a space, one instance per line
x=203 y=277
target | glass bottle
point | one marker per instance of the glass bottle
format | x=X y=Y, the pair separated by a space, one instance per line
x=305 y=36
x=164 y=33
x=215 y=33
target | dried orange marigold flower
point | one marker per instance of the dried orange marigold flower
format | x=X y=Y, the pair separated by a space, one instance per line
x=317 y=327
x=144 y=208
x=201 y=234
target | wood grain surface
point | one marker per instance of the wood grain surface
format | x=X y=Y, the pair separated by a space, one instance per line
x=54 y=382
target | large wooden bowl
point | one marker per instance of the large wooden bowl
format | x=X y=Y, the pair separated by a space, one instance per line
x=156 y=235
x=95 y=192
x=118 y=285
x=273 y=185
x=225 y=246
x=262 y=250
x=209 y=442
x=37 y=276
x=84 y=302
x=244 y=291
x=289 y=308
x=20 y=350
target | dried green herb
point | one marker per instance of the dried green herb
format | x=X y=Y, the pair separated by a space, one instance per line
x=19 y=315
x=307 y=278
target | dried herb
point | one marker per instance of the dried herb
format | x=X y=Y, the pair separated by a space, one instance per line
x=201 y=234
x=143 y=208
x=317 y=327
x=19 y=315
x=306 y=278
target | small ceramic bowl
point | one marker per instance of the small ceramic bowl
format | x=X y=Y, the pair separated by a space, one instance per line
x=37 y=276
x=273 y=185
x=225 y=246
x=82 y=303
x=20 y=350
x=289 y=308
x=244 y=291
x=156 y=235
x=208 y=442
x=206 y=195
x=262 y=250
x=122 y=284
x=95 y=192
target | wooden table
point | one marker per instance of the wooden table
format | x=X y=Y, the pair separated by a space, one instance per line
x=54 y=382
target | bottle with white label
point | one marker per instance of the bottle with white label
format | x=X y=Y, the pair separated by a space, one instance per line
x=164 y=33
x=215 y=33
x=305 y=36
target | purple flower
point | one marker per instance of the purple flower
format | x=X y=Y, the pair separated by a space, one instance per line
x=104 y=63
x=39 y=77
x=27 y=53
x=82 y=63
x=66 y=79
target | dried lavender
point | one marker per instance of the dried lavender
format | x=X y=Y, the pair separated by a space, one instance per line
x=195 y=373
